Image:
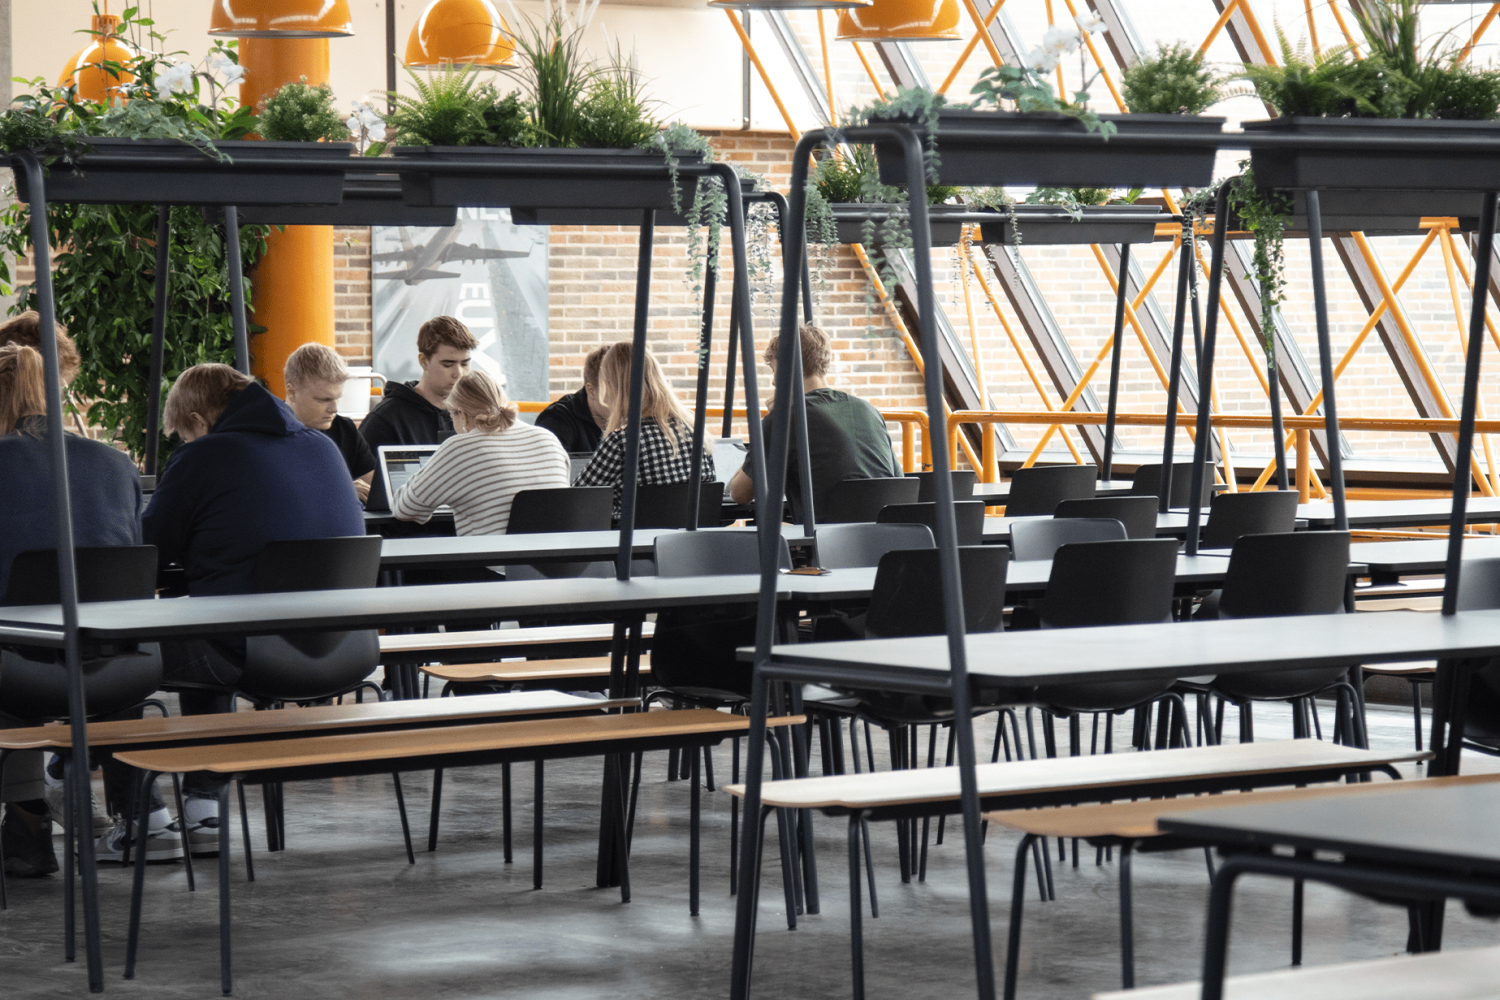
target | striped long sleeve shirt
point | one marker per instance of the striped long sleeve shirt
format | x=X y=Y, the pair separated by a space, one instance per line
x=479 y=474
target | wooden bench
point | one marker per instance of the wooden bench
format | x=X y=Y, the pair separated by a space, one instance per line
x=1469 y=974
x=348 y=754
x=586 y=673
x=934 y=791
x=414 y=647
x=1132 y=826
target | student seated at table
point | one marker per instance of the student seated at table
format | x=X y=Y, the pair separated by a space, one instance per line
x=666 y=429
x=415 y=412
x=105 y=491
x=579 y=418
x=479 y=471
x=247 y=473
x=25 y=330
x=315 y=377
x=845 y=435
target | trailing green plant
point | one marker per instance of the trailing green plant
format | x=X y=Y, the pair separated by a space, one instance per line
x=448 y=110
x=710 y=201
x=1172 y=82
x=299 y=112
x=917 y=105
x=1263 y=213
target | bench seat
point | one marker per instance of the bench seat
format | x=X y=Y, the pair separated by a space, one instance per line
x=582 y=669
x=415 y=647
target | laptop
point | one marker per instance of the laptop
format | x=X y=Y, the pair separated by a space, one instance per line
x=397 y=464
x=579 y=460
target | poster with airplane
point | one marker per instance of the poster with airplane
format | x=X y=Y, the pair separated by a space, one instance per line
x=485 y=271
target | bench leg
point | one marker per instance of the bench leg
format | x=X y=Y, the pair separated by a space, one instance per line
x=734 y=819
x=708 y=769
x=138 y=876
x=268 y=801
x=69 y=847
x=693 y=846
x=635 y=789
x=856 y=908
x=411 y=858
x=622 y=835
x=437 y=803
x=536 y=827
x=187 y=853
x=505 y=807
x=1127 y=925
x=864 y=835
x=245 y=832
x=224 y=971
x=1017 y=908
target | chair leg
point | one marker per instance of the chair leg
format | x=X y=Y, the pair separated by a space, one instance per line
x=536 y=827
x=635 y=788
x=505 y=807
x=1416 y=711
x=835 y=733
x=1127 y=926
x=864 y=833
x=187 y=852
x=437 y=802
x=854 y=743
x=137 y=877
x=693 y=846
x=856 y=911
x=734 y=815
x=411 y=858
x=245 y=833
x=224 y=968
x=1017 y=907
x=708 y=769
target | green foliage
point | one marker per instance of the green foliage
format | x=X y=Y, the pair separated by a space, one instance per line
x=298 y=112
x=1263 y=213
x=914 y=104
x=710 y=201
x=449 y=110
x=557 y=76
x=1333 y=84
x=1173 y=82
x=616 y=111
x=508 y=122
x=1021 y=88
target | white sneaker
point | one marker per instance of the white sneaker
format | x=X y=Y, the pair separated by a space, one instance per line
x=54 y=791
x=164 y=844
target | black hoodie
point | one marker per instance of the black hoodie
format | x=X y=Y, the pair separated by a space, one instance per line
x=257 y=476
x=404 y=416
x=570 y=418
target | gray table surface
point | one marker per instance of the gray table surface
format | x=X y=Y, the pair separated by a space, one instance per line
x=1418 y=556
x=1127 y=652
x=1109 y=488
x=997 y=529
x=1444 y=827
x=552 y=546
x=1399 y=513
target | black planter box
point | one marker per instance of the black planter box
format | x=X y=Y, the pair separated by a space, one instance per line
x=369 y=200
x=1045 y=225
x=180 y=174
x=543 y=178
x=1386 y=212
x=944 y=221
x=1037 y=148
x=1426 y=168
x=573 y=215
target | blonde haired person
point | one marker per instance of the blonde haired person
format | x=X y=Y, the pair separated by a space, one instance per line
x=479 y=471
x=846 y=436
x=315 y=377
x=666 y=428
x=26 y=330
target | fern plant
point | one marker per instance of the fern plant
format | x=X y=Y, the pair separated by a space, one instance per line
x=1173 y=82
x=298 y=112
x=449 y=110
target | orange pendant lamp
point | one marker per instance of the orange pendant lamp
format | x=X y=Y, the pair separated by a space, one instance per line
x=901 y=21
x=281 y=18
x=460 y=33
x=790 y=4
x=86 y=68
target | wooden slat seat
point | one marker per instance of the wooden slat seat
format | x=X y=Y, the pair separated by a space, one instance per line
x=1469 y=974
x=589 y=669
x=415 y=647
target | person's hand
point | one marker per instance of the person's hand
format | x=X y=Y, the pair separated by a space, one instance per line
x=362 y=490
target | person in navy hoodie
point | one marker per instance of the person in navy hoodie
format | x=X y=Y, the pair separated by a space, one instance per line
x=247 y=473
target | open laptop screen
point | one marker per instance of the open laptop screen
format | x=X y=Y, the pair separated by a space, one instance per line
x=399 y=461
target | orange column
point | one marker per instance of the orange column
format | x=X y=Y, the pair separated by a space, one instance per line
x=293 y=284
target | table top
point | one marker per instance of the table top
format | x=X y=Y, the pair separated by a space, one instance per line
x=542 y=547
x=1106 y=488
x=1399 y=513
x=1407 y=823
x=1418 y=556
x=1173 y=649
x=997 y=529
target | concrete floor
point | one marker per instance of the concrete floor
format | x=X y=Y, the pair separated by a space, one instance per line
x=341 y=913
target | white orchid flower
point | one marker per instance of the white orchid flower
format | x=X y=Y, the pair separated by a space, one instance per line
x=1091 y=22
x=354 y=125
x=1044 y=60
x=1060 y=40
x=376 y=133
x=178 y=78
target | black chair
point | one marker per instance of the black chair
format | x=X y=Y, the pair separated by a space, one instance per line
x=1231 y=515
x=907 y=597
x=665 y=505
x=566 y=508
x=844 y=545
x=968 y=516
x=1037 y=491
x=1291 y=573
x=1040 y=539
x=863 y=499
x=1479 y=590
x=1138 y=514
x=1147 y=482
x=963 y=485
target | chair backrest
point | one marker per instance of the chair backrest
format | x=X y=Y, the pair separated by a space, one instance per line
x=111 y=573
x=841 y=546
x=1231 y=515
x=1479 y=585
x=853 y=500
x=963 y=485
x=1124 y=582
x=1040 y=489
x=1147 y=482
x=908 y=596
x=565 y=508
x=1039 y=539
x=344 y=563
x=711 y=553
x=1291 y=573
x=1138 y=514
x=665 y=505
x=968 y=515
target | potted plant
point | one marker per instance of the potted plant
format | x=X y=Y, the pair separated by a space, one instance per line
x=1395 y=91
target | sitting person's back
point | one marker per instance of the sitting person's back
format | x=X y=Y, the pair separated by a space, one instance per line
x=248 y=473
x=666 y=429
x=479 y=472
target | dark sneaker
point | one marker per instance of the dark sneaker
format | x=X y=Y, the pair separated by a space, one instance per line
x=26 y=840
x=161 y=845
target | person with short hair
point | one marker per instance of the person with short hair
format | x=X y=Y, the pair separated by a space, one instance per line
x=846 y=436
x=247 y=473
x=315 y=377
x=579 y=418
x=415 y=412
x=26 y=330
x=666 y=429
x=479 y=471
x=105 y=493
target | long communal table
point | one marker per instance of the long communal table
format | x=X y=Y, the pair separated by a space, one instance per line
x=1400 y=513
x=542 y=547
x=1407 y=841
x=1390 y=561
